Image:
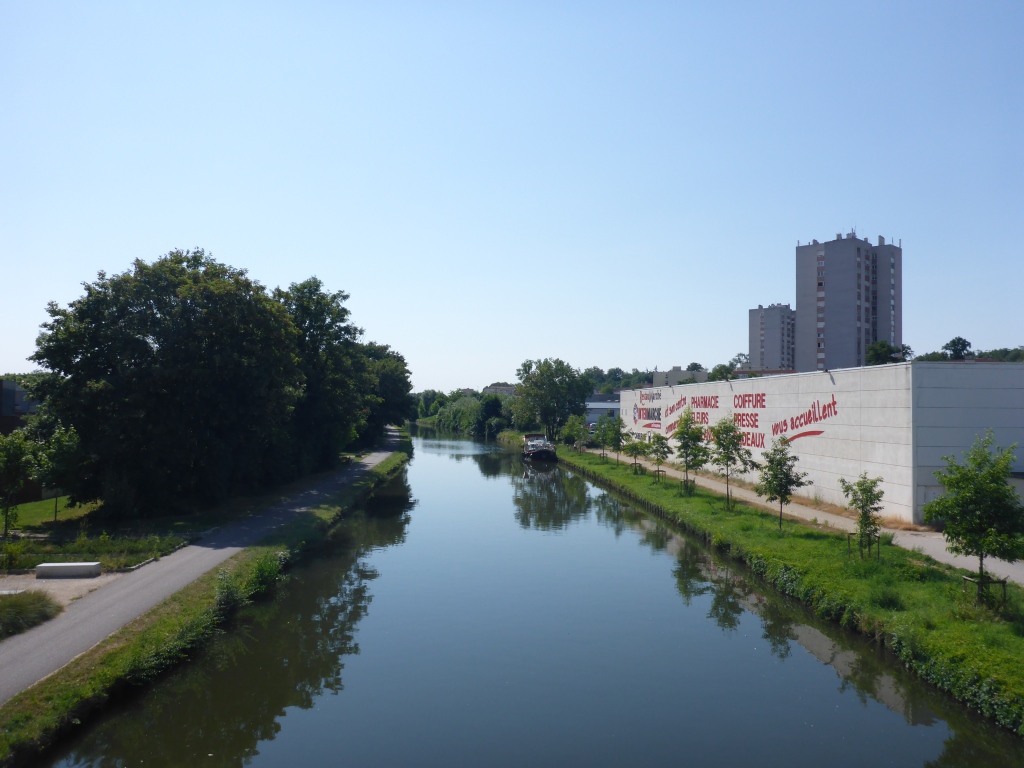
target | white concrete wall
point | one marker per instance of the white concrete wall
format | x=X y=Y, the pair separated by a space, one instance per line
x=892 y=421
x=868 y=429
x=956 y=402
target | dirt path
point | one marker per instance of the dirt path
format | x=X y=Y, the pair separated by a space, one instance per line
x=929 y=542
x=29 y=657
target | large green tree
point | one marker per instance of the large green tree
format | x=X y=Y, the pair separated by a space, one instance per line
x=389 y=382
x=552 y=390
x=178 y=376
x=883 y=353
x=329 y=408
x=957 y=348
x=982 y=512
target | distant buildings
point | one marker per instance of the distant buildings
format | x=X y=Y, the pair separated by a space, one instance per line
x=15 y=405
x=499 y=389
x=772 y=331
x=599 y=405
x=849 y=294
x=676 y=376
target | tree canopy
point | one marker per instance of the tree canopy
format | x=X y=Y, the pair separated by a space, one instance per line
x=883 y=353
x=553 y=390
x=185 y=381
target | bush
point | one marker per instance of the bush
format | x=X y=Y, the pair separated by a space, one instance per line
x=25 y=610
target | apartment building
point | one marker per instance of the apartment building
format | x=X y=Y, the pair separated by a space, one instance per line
x=772 y=332
x=849 y=294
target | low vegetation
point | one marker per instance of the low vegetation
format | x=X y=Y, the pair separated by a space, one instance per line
x=24 y=611
x=905 y=600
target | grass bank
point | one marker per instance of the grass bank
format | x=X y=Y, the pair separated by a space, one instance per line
x=167 y=635
x=907 y=601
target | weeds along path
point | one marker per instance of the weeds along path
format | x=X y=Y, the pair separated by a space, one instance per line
x=29 y=657
x=929 y=542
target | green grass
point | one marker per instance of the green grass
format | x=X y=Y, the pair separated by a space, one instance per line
x=908 y=601
x=112 y=552
x=38 y=515
x=25 y=610
x=168 y=634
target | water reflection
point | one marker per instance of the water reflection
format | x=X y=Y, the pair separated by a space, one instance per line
x=290 y=653
x=547 y=499
x=298 y=642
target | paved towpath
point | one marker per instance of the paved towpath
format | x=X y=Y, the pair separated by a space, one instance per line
x=29 y=657
x=929 y=542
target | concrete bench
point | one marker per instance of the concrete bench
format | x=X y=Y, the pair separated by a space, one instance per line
x=67 y=570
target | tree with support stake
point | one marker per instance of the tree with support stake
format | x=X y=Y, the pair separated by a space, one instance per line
x=635 y=449
x=691 y=448
x=779 y=477
x=866 y=498
x=618 y=436
x=729 y=453
x=983 y=514
x=659 y=451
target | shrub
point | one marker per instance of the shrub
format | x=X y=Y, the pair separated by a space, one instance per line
x=25 y=610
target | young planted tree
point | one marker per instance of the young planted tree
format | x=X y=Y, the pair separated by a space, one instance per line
x=618 y=436
x=603 y=433
x=635 y=449
x=729 y=453
x=17 y=463
x=691 y=449
x=983 y=514
x=57 y=461
x=659 y=451
x=866 y=498
x=779 y=477
x=574 y=431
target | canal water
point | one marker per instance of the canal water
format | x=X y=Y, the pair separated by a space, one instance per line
x=483 y=613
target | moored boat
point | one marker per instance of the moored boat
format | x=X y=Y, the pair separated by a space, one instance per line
x=536 y=447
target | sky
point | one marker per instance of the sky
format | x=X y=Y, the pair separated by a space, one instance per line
x=613 y=184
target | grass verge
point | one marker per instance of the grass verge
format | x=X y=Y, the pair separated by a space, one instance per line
x=167 y=635
x=907 y=601
x=24 y=610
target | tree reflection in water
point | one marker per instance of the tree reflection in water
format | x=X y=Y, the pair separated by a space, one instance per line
x=297 y=641
x=548 y=499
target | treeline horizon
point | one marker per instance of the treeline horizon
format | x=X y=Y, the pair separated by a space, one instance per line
x=186 y=381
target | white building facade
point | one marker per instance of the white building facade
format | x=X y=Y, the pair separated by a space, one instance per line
x=891 y=421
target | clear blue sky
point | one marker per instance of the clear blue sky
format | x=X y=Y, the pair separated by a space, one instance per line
x=609 y=183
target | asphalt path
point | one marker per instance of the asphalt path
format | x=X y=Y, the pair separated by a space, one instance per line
x=929 y=542
x=27 y=658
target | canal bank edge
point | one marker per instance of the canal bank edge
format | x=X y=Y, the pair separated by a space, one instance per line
x=163 y=637
x=970 y=656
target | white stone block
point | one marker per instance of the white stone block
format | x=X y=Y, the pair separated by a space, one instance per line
x=67 y=570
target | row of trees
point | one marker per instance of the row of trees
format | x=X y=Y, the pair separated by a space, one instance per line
x=982 y=514
x=957 y=348
x=185 y=381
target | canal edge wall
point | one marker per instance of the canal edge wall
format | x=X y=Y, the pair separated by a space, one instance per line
x=963 y=682
x=167 y=635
